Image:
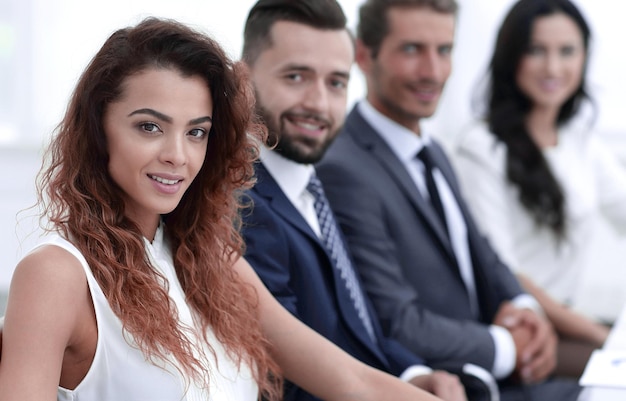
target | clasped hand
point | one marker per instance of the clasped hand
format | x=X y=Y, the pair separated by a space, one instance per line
x=535 y=342
x=444 y=385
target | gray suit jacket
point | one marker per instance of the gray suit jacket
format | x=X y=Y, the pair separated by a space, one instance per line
x=403 y=254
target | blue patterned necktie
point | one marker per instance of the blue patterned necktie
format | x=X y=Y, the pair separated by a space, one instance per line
x=334 y=245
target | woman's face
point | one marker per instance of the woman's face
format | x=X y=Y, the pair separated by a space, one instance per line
x=551 y=69
x=157 y=135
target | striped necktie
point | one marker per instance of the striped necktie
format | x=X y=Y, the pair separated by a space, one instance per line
x=335 y=247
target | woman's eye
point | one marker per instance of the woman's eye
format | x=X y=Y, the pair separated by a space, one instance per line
x=568 y=50
x=150 y=127
x=198 y=133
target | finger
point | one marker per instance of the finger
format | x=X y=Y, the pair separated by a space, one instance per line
x=537 y=351
x=510 y=321
x=541 y=338
x=460 y=393
x=450 y=392
x=505 y=309
x=538 y=372
x=443 y=393
x=543 y=364
x=510 y=318
x=457 y=389
x=530 y=318
x=448 y=387
x=532 y=350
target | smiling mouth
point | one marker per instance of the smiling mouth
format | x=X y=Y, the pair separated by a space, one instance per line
x=549 y=84
x=424 y=90
x=308 y=126
x=164 y=180
x=308 y=121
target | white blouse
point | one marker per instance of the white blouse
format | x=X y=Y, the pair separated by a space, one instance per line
x=593 y=183
x=120 y=370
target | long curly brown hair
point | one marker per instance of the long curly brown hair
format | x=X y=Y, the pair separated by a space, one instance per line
x=81 y=201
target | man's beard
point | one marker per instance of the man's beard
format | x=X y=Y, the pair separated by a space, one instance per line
x=302 y=150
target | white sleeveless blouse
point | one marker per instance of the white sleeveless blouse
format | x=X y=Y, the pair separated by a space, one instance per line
x=120 y=371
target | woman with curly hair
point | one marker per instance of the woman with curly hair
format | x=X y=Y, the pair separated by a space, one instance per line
x=140 y=291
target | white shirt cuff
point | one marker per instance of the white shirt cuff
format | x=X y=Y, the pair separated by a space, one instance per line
x=528 y=301
x=506 y=354
x=414 y=371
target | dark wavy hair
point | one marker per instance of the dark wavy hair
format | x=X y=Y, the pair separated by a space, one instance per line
x=508 y=107
x=83 y=203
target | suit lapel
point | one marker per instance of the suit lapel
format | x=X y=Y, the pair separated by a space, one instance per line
x=364 y=135
x=267 y=187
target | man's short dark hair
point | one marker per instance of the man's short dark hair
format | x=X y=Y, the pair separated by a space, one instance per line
x=319 y=14
x=373 y=17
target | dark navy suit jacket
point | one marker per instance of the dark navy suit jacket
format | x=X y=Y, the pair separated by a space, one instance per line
x=295 y=267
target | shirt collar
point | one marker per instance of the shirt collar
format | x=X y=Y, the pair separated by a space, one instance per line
x=291 y=177
x=158 y=247
x=402 y=141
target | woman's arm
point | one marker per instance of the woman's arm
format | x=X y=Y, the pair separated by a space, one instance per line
x=566 y=322
x=48 y=293
x=317 y=365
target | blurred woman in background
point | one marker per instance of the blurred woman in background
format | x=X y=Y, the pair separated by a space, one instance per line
x=535 y=179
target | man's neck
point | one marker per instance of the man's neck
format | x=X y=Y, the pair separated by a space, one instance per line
x=398 y=116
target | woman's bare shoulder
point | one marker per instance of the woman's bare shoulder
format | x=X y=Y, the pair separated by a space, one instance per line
x=45 y=311
x=46 y=281
x=52 y=264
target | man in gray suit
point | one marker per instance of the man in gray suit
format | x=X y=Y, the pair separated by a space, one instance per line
x=436 y=284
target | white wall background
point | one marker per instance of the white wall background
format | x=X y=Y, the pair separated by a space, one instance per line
x=45 y=44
